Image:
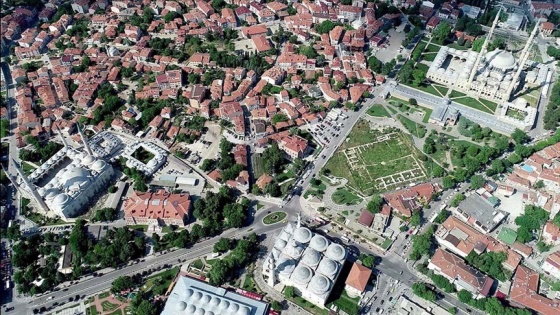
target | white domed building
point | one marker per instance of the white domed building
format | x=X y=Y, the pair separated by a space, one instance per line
x=306 y=261
x=145 y=157
x=68 y=181
x=194 y=297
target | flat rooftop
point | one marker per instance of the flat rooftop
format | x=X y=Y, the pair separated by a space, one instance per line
x=481 y=213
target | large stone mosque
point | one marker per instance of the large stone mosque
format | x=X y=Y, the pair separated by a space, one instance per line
x=67 y=182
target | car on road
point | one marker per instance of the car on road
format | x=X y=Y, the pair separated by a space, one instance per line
x=323 y=156
x=382 y=301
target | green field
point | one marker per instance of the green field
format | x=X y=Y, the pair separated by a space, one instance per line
x=274 y=217
x=428 y=113
x=481 y=105
x=27 y=168
x=429 y=56
x=92 y=310
x=258 y=165
x=108 y=306
x=415 y=129
x=432 y=48
x=374 y=160
x=377 y=110
x=344 y=197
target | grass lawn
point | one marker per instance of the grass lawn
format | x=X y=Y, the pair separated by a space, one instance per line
x=392 y=109
x=211 y=262
x=197 y=264
x=422 y=66
x=259 y=206
x=344 y=197
x=428 y=113
x=127 y=310
x=258 y=165
x=311 y=308
x=419 y=47
x=161 y=281
x=429 y=56
x=380 y=156
x=318 y=184
x=116 y=312
x=108 y=306
x=274 y=217
x=248 y=284
x=347 y=304
x=454 y=94
x=378 y=110
x=139 y=227
x=473 y=103
x=27 y=168
x=386 y=243
x=432 y=48
x=92 y=310
x=489 y=104
x=443 y=90
x=457 y=46
x=416 y=129
x=104 y=295
x=428 y=88
x=167 y=229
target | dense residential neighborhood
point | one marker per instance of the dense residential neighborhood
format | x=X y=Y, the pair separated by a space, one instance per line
x=265 y=157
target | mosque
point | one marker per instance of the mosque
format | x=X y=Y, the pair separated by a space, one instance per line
x=306 y=261
x=492 y=75
x=67 y=182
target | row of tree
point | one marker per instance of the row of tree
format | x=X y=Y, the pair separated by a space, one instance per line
x=227 y=268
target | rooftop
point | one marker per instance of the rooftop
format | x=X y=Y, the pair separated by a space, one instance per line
x=480 y=213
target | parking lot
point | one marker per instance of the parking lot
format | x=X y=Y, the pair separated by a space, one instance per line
x=329 y=128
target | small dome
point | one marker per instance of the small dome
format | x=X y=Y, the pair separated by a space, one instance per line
x=294 y=250
x=199 y=311
x=302 y=235
x=197 y=296
x=336 y=252
x=320 y=284
x=311 y=257
x=180 y=306
x=74 y=175
x=319 y=243
x=206 y=299
x=88 y=160
x=521 y=102
x=44 y=167
x=280 y=244
x=208 y=313
x=215 y=301
x=224 y=304
x=302 y=274
x=328 y=267
x=190 y=309
x=244 y=310
x=284 y=236
x=189 y=293
x=233 y=307
x=50 y=193
x=285 y=265
x=61 y=199
x=152 y=163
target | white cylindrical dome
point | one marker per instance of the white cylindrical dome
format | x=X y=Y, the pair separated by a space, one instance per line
x=180 y=306
x=302 y=235
x=224 y=304
x=328 y=267
x=215 y=301
x=206 y=299
x=88 y=160
x=336 y=252
x=190 y=309
x=311 y=257
x=320 y=284
x=280 y=244
x=319 y=243
x=285 y=265
x=233 y=307
x=61 y=199
x=302 y=275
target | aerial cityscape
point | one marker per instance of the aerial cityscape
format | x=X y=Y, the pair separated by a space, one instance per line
x=246 y=157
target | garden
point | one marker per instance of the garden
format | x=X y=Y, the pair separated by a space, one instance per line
x=274 y=217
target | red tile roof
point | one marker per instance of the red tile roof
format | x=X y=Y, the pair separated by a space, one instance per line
x=358 y=277
x=524 y=291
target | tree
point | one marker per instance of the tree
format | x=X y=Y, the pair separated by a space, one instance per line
x=416 y=219
x=122 y=283
x=277 y=306
x=477 y=44
x=448 y=182
x=418 y=75
x=368 y=260
x=146 y=308
x=442 y=283
x=289 y=292
x=325 y=27
x=222 y=245
x=422 y=290
x=477 y=181
x=375 y=64
x=441 y=32
x=539 y=184
x=279 y=118
x=422 y=244
x=519 y=136
x=413 y=102
x=464 y=296
x=375 y=204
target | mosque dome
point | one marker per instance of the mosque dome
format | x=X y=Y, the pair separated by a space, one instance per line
x=224 y=304
x=302 y=235
x=243 y=311
x=197 y=296
x=320 y=284
x=180 y=306
x=61 y=199
x=311 y=257
x=208 y=313
x=328 y=267
x=302 y=275
x=294 y=250
x=521 y=102
x=233 y=307
x=319 y=243
x=152 y=163
x=88 y=160
x=336 y=252
x=74 y=175
x=280 y=244
x=199 y=311
x=205 y=299
x=189 y=293
x=285 y=265
x=215 y=301
x=501 y=59
x=50 y=193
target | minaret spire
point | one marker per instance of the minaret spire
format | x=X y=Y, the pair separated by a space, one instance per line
x=483 y=49
x=31 y=188
x=61 y=137
x=299 y=219
x=84 y=141
x=522 y=61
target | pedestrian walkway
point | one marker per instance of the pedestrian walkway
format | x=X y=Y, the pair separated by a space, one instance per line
x=109 y=305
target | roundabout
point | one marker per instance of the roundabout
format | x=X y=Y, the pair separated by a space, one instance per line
x=274 y=217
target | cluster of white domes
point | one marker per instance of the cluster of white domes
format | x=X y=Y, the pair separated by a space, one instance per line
x=160 y=155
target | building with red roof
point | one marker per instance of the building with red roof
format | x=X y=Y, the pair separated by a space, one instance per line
x=357 y=280
x=525 y=292
x=157 y=208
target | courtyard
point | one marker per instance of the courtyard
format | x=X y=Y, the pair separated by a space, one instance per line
x=376 y=160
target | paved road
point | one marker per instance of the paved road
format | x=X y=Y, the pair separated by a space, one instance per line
x=92 y=285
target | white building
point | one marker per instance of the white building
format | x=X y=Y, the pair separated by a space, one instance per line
x=194 y=297
x=104 y=144
x=306 y=261
x=551 y=265
x=68 y=181
x=149 y=167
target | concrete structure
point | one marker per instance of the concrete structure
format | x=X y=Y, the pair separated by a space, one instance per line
x=194 y=297
x=104 y=144
x=149 y=167
x=480 y=213
x=68 y=181
x=306 y=261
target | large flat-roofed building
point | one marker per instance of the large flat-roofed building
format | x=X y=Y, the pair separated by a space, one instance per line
x=306 y=261
x=193 y=297
x=481 y=212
